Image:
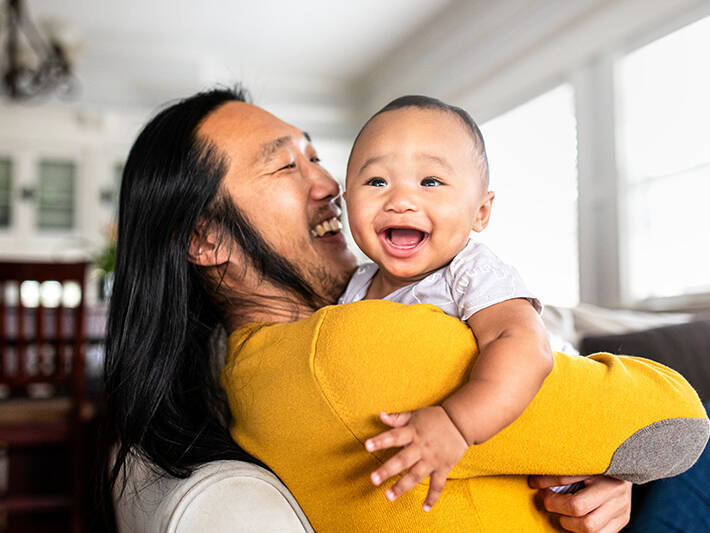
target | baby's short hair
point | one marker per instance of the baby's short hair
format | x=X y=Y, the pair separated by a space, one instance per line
x=427 y=102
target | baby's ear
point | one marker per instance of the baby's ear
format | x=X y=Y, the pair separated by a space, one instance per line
x=483 y=215
x=205 y=248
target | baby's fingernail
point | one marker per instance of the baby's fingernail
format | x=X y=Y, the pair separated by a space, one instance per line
x=369 y=445
x=426 y=507
x=390 y=494
x=375 y=479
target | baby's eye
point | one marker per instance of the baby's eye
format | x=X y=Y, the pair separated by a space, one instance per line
x=376 y=182
x=431 y=181
x=315 y=159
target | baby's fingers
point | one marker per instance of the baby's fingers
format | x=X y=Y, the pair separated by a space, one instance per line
x=403 y=460
x=389 y=439
x=396 y=420
x=416 y=474
x=436 y=486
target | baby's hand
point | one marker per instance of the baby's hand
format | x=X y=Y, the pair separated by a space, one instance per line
x=431 y=444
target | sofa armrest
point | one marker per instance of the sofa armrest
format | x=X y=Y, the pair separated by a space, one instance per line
x=223 y=496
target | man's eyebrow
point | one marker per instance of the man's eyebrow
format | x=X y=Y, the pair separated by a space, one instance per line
x=269 y=149
x=443 y=162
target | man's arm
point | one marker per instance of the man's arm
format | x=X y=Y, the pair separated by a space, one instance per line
x=629 y=417
x=626 y=417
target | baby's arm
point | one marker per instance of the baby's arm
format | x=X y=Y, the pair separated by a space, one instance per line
x=513 y=361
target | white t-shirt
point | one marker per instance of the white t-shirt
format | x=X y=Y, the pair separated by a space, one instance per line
x=475 y=279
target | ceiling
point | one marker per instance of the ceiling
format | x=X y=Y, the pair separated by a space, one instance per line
x=139 y=53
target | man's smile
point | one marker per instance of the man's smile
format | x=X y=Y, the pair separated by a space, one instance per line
x=332 y=225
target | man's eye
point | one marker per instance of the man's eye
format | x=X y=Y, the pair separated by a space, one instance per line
x=376 y=182
x=288 y=167
x=431 y=181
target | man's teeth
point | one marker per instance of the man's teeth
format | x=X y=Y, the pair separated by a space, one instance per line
x=321 y=229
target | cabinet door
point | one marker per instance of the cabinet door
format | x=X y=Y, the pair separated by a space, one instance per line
x=56 y=195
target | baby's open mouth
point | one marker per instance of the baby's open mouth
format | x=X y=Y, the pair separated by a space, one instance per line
x=403 y=242
x=405 y=238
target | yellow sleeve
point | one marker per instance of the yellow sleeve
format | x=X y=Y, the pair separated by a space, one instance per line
x=624 y=416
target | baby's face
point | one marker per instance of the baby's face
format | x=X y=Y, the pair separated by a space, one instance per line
x=414 y=191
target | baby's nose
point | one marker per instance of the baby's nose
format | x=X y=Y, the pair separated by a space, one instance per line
x=401 y=201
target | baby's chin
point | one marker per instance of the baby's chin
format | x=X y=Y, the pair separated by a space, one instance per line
x=405 y=273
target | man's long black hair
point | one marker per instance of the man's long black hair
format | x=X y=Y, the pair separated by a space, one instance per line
x=164 y=402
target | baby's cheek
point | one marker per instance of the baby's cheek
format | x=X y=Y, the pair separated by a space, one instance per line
x=359 y=236
x=358 y=219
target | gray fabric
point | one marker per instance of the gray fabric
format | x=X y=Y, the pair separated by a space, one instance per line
x=683 y=347
x=474 y=279
x=662 y=449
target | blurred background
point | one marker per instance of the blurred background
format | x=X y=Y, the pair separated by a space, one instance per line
x=595 y=115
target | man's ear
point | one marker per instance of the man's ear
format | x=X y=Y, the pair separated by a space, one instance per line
x=483 y=215
x=205 y=248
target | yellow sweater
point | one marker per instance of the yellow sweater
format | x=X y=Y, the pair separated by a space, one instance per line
x=305 y=395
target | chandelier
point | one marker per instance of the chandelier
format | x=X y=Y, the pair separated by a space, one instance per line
x=32 y=64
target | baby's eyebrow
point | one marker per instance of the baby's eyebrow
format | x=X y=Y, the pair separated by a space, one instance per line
x=418 y=155
x=443 y=162
x=371 y=161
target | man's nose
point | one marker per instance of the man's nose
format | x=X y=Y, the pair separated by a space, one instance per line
x=400 y=200
x=323 y=186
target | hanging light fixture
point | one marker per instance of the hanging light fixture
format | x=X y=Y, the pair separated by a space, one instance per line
x=32 y=64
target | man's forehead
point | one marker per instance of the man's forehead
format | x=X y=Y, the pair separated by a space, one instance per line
x=241 y=122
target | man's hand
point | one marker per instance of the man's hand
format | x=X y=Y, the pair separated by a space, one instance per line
x=431 y=447
x=602 y=506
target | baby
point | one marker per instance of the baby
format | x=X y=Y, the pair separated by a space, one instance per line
x=417 y=184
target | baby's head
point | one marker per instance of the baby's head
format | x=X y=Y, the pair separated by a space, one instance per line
x=417 y=184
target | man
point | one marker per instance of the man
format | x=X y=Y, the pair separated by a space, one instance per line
x=227 y=217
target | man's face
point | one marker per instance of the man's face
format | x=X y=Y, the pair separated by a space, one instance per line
x=276 y=180
x=415 y=191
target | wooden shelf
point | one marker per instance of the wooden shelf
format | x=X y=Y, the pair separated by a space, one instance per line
x=27 y=504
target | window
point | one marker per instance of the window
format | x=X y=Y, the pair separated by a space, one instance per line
x=55 y=208
x=5 y=193
x=532 y=153
x=664 y=159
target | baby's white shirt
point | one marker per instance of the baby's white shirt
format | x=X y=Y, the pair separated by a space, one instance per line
x=475 y=279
